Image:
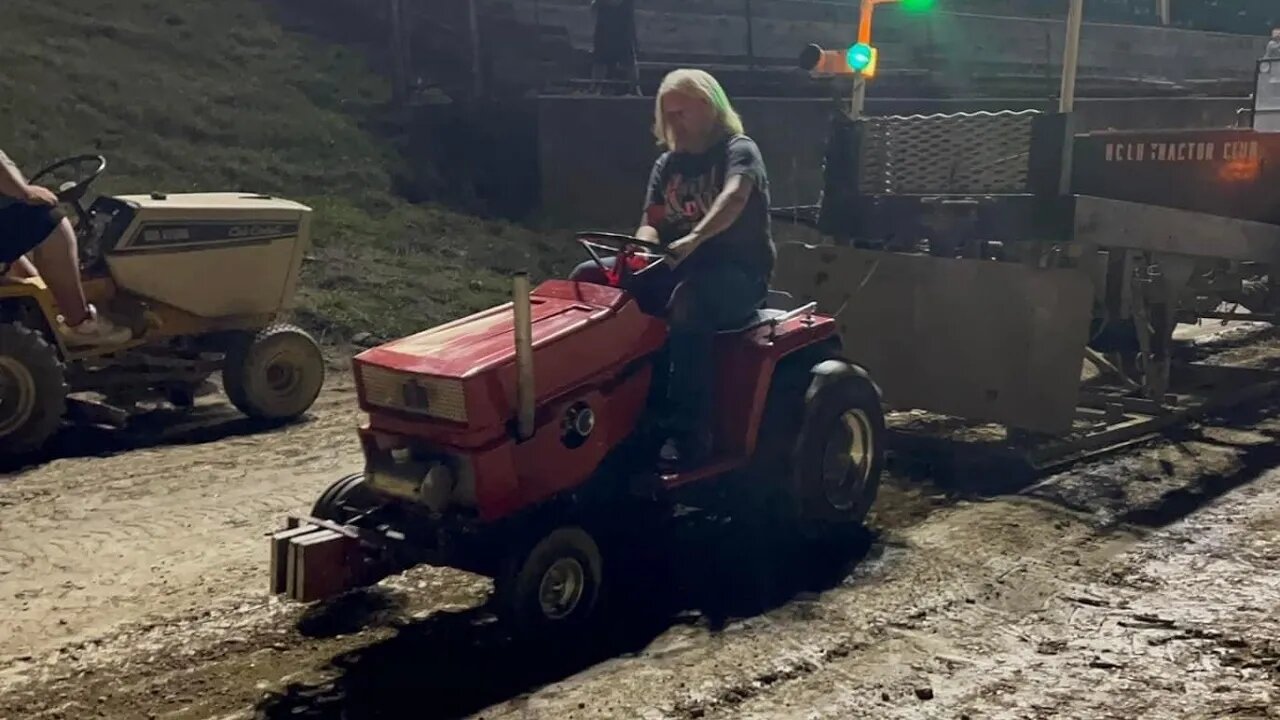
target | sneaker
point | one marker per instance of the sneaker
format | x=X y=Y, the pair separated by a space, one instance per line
x=670 y=452
x=94 y=330
x=683 y=455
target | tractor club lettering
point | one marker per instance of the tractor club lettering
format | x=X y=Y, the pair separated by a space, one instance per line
x=1231 y=150
x=242 y=231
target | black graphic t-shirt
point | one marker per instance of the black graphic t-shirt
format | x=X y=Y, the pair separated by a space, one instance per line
x=682 y=188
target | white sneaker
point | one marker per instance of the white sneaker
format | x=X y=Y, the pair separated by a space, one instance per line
x=94 y=330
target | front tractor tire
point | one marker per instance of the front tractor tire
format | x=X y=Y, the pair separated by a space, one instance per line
x=346 y=498
x=33 y=389
x=274 y=375
x=551 y=590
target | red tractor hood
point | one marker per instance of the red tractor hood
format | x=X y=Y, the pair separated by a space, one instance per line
x=463 y=372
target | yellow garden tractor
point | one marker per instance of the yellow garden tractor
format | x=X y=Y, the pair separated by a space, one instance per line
x=202 y=280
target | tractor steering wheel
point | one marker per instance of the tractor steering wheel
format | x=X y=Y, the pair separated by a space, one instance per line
x=624 y=249
x=73 y=191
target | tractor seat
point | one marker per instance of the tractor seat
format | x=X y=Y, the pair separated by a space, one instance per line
x=758 y=318
x=775 y=305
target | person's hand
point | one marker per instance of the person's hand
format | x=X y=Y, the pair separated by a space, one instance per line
x=37 y=195
x=681 y=249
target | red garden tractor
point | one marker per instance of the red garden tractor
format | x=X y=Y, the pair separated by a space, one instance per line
x=510 y=442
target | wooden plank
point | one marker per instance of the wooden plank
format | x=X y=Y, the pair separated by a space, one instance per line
x=279 y=565
x=318 y=565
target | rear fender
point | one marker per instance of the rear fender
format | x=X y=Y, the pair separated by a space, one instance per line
x=832 y=370
x=29 y=302
x=792 y=368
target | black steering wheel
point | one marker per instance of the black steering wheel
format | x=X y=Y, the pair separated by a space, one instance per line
x=73 y=191
x=624 y=248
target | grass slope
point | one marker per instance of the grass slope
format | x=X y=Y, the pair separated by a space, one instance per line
x=213 y=95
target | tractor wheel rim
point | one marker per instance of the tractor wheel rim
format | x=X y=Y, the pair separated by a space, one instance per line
x=283 y=374
x=561 y=588
x=847 y=459
x=17 y=395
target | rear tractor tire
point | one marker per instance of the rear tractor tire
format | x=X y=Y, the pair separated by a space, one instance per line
x=551 y=590
x=33 y=389
x=274 y=375
x=840 y=453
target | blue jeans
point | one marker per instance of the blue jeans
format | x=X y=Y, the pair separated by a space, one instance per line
x=697 y=305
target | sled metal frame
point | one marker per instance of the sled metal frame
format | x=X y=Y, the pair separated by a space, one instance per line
x=884 y=194
x=1116 y=421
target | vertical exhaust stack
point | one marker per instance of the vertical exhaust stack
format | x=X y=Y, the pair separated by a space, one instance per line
x=524 y=355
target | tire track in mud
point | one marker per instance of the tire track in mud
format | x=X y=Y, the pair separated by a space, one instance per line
x=934 y=569
x=1082 y=651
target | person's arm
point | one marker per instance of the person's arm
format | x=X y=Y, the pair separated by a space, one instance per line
x=726 y=209
x=653 y=199
x=14 y=185
x=744 y=171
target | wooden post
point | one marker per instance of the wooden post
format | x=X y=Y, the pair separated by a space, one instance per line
x=1164 y=12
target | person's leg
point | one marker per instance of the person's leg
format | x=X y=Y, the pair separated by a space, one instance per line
x=46 y=233
x=16 y=240
x=632 y=68
x=599 y=54
x=591 y=272
x=689 y=349
x=708 y=301
x=57 y=259
x=22 y=268
x=598 y=72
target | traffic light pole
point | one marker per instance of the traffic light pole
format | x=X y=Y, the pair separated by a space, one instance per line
x=862 y=56
x=859 y=99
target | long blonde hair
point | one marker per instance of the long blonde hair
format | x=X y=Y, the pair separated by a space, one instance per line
x=698 y=83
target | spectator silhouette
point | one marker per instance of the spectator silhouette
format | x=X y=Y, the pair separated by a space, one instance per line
x=614 y=45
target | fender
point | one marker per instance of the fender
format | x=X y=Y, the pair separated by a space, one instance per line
x=831 y=370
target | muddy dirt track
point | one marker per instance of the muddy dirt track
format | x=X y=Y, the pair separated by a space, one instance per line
x=132 y=585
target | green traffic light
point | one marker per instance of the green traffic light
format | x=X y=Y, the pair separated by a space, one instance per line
x=917 y=5
x=859 y=56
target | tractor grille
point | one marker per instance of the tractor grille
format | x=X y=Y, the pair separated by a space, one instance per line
x=419 y=394
x=961 y=153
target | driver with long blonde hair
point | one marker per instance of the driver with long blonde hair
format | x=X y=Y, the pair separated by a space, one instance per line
x=707 y=202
